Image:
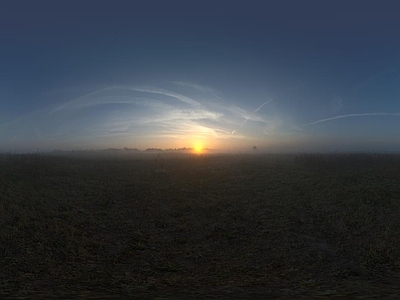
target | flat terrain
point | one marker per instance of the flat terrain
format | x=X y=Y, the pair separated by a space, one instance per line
x=211 y=226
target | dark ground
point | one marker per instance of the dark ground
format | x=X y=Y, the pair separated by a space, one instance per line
x=211 y=226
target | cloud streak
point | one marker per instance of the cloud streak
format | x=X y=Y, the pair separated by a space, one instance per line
x=177 y=96
x=350 y=116
x=79 y=99
x=251 y=117
x=82 y=101
x=161 y=116
x=197 y=87
x=262 y=105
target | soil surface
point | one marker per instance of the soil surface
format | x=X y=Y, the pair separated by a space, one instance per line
x=166 y=226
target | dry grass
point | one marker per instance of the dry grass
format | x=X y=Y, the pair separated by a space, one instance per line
x=200 y=226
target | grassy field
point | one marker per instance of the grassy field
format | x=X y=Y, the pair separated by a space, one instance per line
x=211 y=226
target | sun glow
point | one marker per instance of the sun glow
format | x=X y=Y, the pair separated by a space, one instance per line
x=198 y=147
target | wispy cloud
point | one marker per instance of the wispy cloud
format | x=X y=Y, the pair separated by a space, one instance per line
x=163 y=92
x=198 y=87
x=212 y=110
x=262 y=105
x=186 y=114
x=77 y=101
x=350 y=116
x=253 y=117
x=140 y=115
x=98 y=97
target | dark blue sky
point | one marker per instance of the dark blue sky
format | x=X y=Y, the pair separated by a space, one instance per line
x=283 y=75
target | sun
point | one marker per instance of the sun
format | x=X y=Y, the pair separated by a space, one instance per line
x=198 y=147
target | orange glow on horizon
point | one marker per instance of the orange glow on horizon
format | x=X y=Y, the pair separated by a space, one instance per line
x=198 y=147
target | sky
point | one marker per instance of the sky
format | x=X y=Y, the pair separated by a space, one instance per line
x=227 y=75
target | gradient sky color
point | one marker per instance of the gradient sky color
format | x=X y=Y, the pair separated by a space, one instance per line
x=282 y=75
